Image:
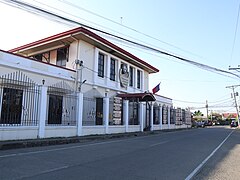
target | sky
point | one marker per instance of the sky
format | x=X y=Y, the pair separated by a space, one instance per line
x=204 y=31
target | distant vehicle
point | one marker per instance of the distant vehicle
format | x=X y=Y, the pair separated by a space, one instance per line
x=208 y=123
x=217 y=123
x=200 y=124
x=234 y=124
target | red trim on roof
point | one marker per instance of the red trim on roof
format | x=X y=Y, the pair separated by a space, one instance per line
x=46 y=39
x=90 y=33
x=139 y=96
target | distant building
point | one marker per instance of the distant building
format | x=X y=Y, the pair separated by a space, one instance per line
x=230 y=116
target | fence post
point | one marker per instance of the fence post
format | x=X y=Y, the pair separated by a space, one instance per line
x=125 y=114
x=151 y=117
x=106 y=113
x=160 y=116
x=140 y=115
x=42 y=111
x=169 y=117
x=79 y=112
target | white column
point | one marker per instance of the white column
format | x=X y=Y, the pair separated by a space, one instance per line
x=135 y=80
x=117 y=73
x=79 y=113
x=151 y=117
x=169 y=117
x=143 y=81
x=108 y=61
x=125 y=113
x=95 y=66
x=140 y=115
x=160 y=116
x=42 y=111
x=106 y=113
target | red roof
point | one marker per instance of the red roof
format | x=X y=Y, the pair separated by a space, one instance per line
x=89 y=33
x=229 y=115
x=139 y=96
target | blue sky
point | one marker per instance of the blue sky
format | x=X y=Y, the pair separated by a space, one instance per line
x=202 y=31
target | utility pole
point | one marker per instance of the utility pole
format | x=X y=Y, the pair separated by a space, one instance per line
x=234 y=96
x=79 y=71
x=207 y=108
x=236 y=68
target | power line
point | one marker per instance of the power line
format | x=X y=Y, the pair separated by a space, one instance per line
x=127 y=27
x=100 y=26
x=45 y=12
x=235 y=33
x=199 y=65
x=189 y=101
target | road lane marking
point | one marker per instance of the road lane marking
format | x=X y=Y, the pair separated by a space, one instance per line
x=83 y=145
x=57 y=149
x=45 y=172
x=71 y=147
x=190 y=176
x=158 y=143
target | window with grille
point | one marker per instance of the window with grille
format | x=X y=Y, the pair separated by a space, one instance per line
x=62 y=56
x=99 y=111
x=133 y=113
x=131 y=76
x=45 y=57
x=37 y=57
x=101 y=65
x=139 y=79
x=55 y=109
x=113 y=69
x=11 y=106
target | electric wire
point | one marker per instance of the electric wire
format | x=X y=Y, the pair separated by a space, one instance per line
x=202 y=66
x=127 y=27
x=147 y=47
x=199 y=65
x=117 y=81
x=101 y=26
x=235 y=33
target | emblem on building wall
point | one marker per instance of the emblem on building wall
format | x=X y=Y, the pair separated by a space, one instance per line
x=124 y=75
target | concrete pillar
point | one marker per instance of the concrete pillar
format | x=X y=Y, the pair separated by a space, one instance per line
x=160 y=116
x=151 y=117
x=106 y=113
x=95 y=66
x=168 y=117
x=135 y=80
x=125 y=113
x=108 y=64
x=79 y=112
x=140 y=115
x=42 y=111
x=118 y=67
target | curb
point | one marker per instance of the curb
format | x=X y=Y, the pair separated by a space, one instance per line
x=15 y=144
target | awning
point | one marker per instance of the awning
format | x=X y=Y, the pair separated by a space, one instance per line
x=138 y=96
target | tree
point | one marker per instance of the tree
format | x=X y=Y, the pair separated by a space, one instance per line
x=197 y=113
x=216 y=116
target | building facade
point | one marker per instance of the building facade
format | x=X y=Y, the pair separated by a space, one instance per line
x=77 y=83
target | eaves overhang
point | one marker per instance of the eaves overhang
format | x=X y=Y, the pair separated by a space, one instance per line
x=141 y=97
x=80 y=33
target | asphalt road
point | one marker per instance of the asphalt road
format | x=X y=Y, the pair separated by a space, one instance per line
x=189 y=154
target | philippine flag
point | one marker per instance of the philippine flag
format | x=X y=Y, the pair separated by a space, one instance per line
x=156 y=89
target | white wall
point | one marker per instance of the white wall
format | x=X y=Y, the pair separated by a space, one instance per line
x=60 y=131
x=134 y=128
x=17 y=133
x=90 y=130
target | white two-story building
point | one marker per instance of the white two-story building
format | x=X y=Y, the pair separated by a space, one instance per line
x=77 y=83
